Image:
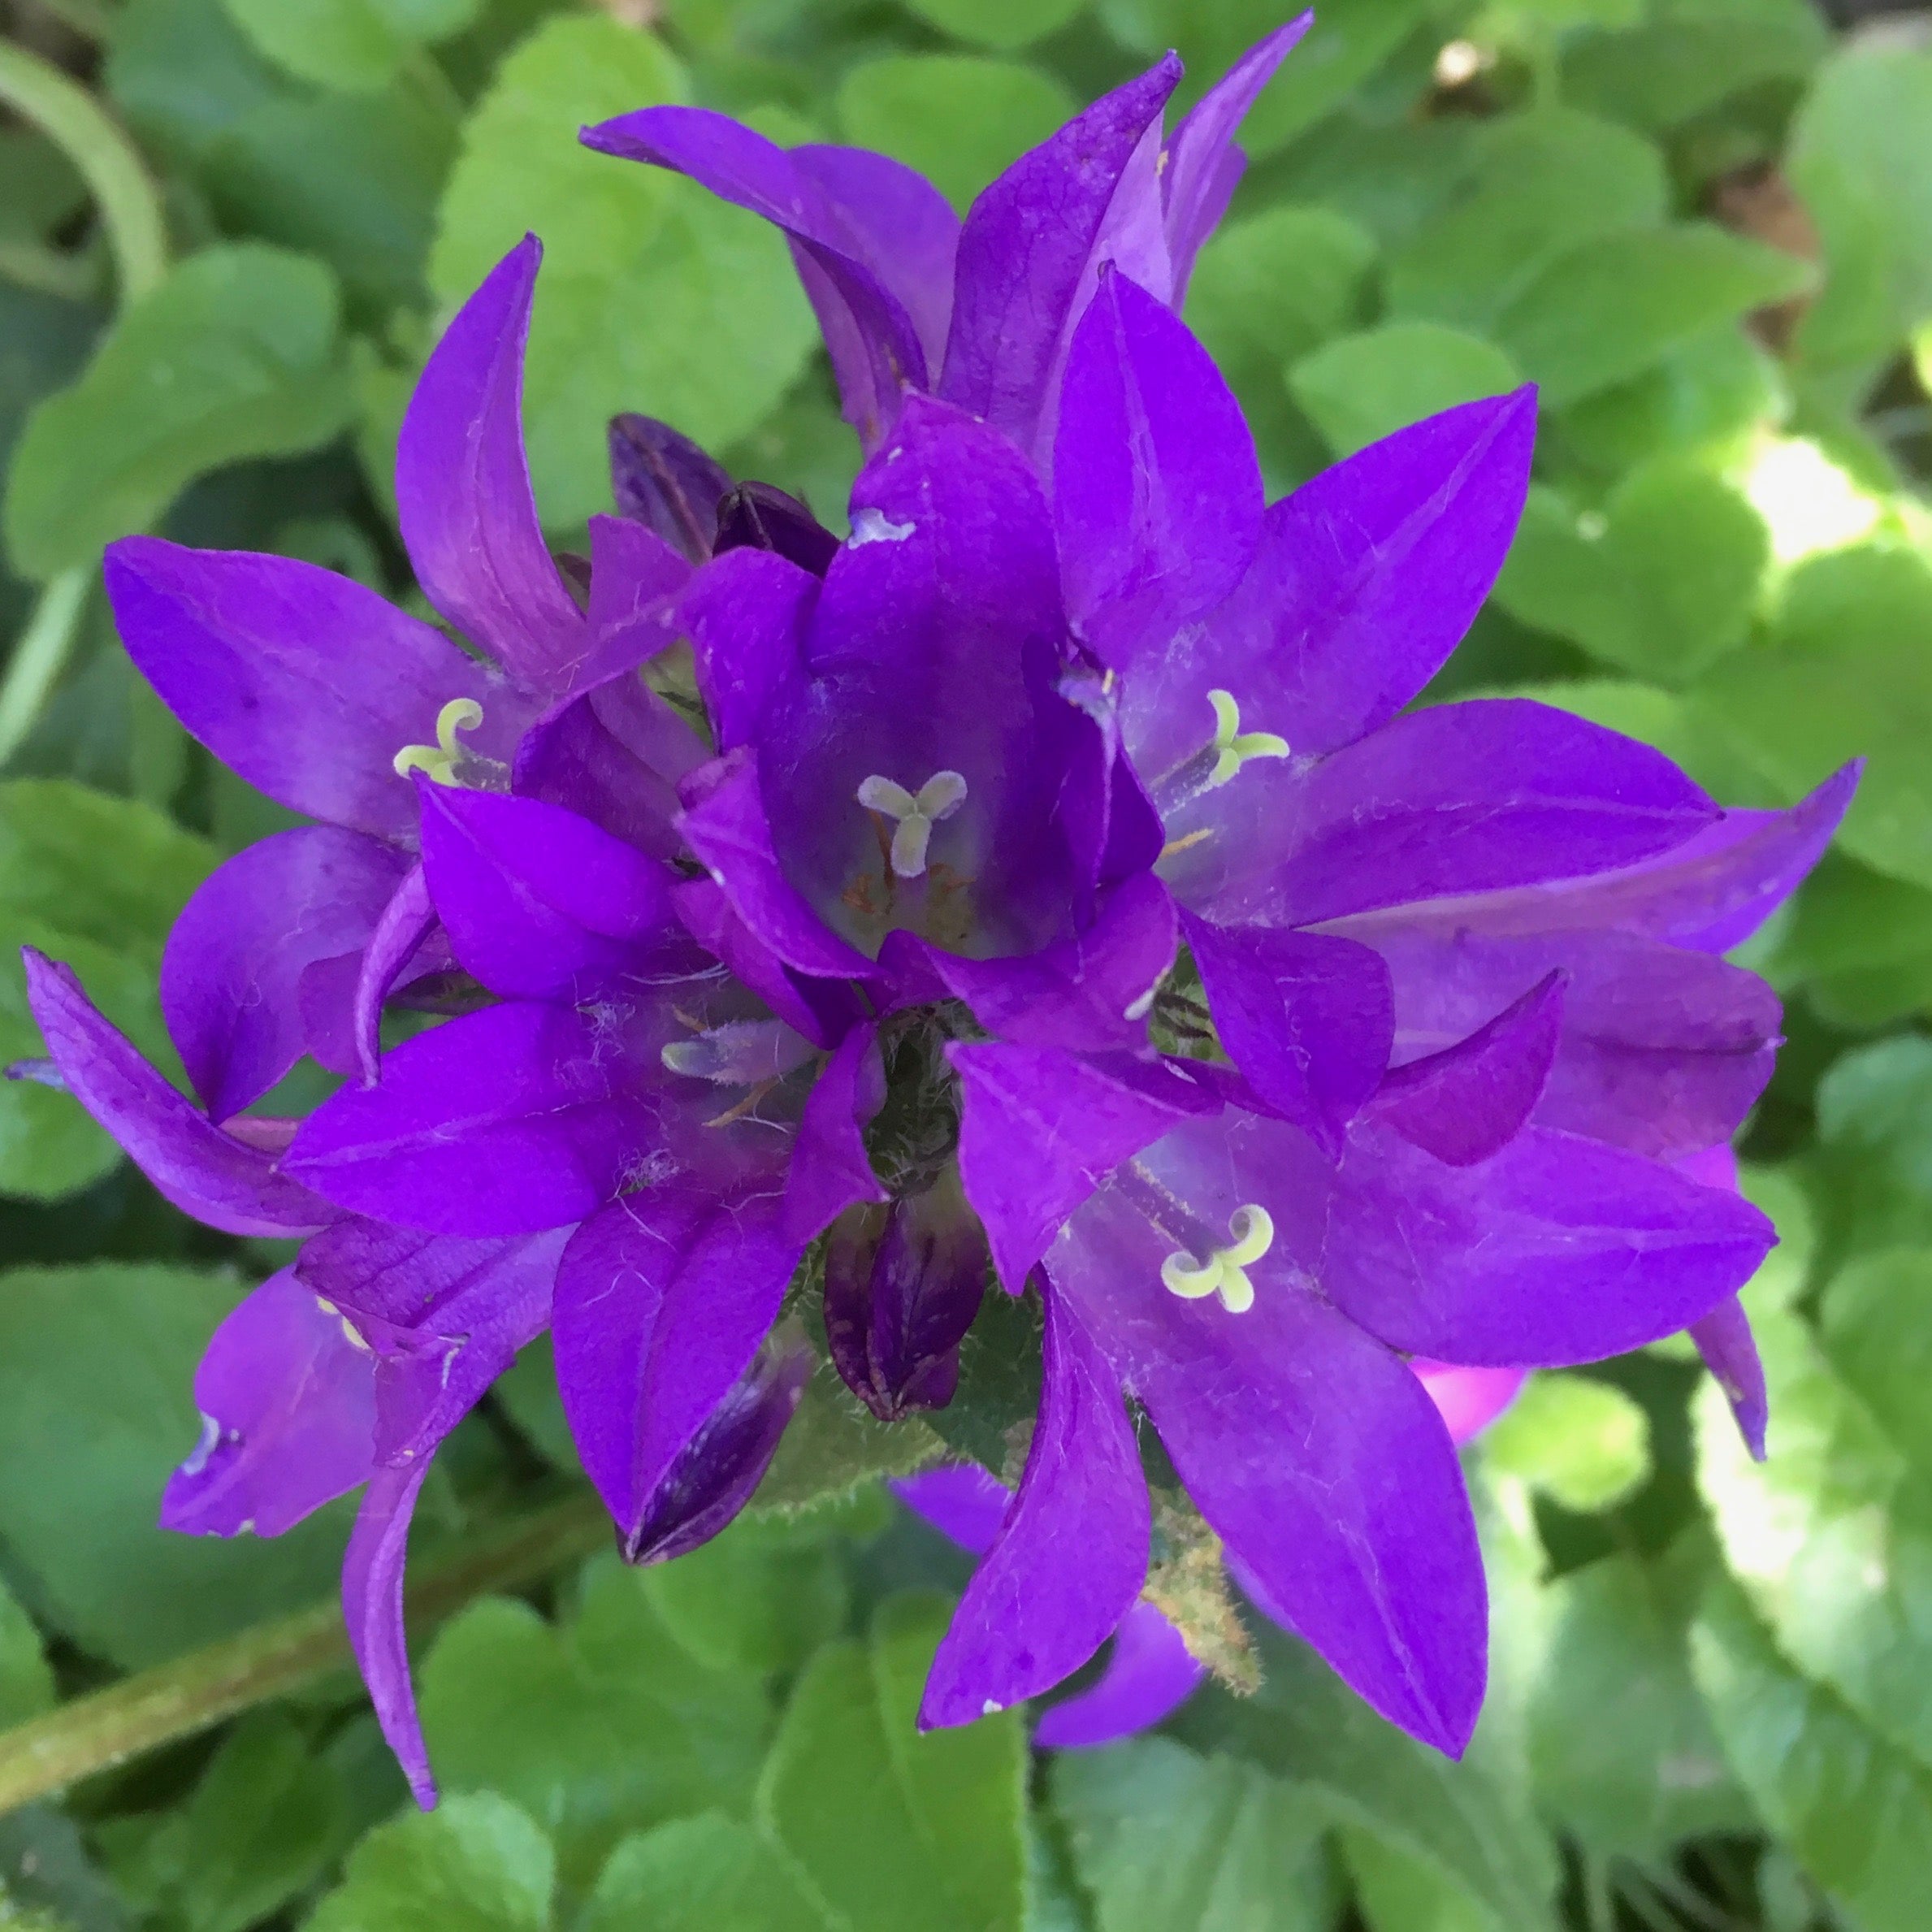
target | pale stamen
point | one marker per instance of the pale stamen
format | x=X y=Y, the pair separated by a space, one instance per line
x=914 y=814
x=1225 y=1270
x=439 y=761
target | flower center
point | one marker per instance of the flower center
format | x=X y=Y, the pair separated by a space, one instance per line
x=914 y=814
x=1217 y=762
x=449 y=763
x=1225 y=1270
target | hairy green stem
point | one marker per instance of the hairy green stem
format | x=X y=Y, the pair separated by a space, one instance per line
x=178 y=1699
x=76 y=123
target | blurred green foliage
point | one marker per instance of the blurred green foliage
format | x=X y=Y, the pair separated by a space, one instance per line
x=1705 y=227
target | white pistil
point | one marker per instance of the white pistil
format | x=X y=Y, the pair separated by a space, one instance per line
x=1234 y=747
x=914 y=814
x=440 y=760
x=1225 y=1271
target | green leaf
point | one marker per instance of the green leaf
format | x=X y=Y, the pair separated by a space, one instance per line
x=653 y=296
x=1661 y=582
x=1541 y=183
x=1624 y=1754
x=1584 y=1443
x=26 y=1679
x=1164 y=1840
x=959 y=120
x=1861 y=159
x=1359 y=388
x=266 y=1819
x=1857 y=1813
x=1846 y=674
x=832 y=1447
x=1396 y=1891
x=937 y=1818
x=1688 y=56
x=182 y=71
x=96 y=1369
x=347 y=43
x=477 y=1864
x=1876 y=1333
x=1874 y=1160
x=353 y=178
x=706 y=1874
x=1001 y=24
x=760 y=1598
x=1860 y=945
x=1606 y=311
x=1304 y=1725
x=599 y=1727
x=1831 y=1537
x=236 y=354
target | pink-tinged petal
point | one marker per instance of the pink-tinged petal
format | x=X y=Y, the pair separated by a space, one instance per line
x=725 y=823
x=662 y=1301
x=1464 y=1103
x=1029 y=255
x=1203 y=164
x=232 y=975
x=1148 y=1675
x=636 y=578
x=1463 y=798
x=615 y=755
x=1311 y=1450
x=962 y=1502
x=539 y=903
x=1090 y=993
x=830 y=1171
x=1469 y=1399
x=1555 y=1251
x=1366 y=580
x=206 y=1172
x=1041 y=1128
x=903 y=228
x=874 y=345
x=372 y=1571
x=402 y=928
x=1308 y=1020
x=508 y=1121
x=1157 y=489
x=1729 y=1352
x=748 y=613
x=287 y=1403
x=1709 y=894
x=1071 y=1554
x=304 y=682
x=462 y=488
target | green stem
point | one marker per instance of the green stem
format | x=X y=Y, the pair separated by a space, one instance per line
x=40 y=654
x=176 y=1699
x=74 y=122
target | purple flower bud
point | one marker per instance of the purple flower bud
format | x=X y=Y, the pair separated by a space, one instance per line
x=664 y=480
x=759 y=516
x=903 y=1281
x=714 y=1474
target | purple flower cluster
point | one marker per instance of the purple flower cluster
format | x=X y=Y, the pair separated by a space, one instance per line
x=1045 y=886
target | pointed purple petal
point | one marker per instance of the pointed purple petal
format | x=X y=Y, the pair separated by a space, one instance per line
x=304 y=682
x=1041 y=1128
x=1148 y=1675
x=831 y=1170
x=1556 y=1250
x=1468 y=1399
x=401 y=929
x=1729 y=1352
x=231 y=976
x=462 y=488
x=510 y=1121
x=1203 y=164
x=203 y=1171
x=662 y=1301
x=962 y=1502
x=539 y=903
x=661 y=478
x=1308 y=1020
x=1157 y=490
x=1030 y=252
x=1071 y=1554
x=372 y=1571
x=1464 y=1103
x=747 y=614
x=1366 y=580
x=287 y=1403
x=636 y=579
